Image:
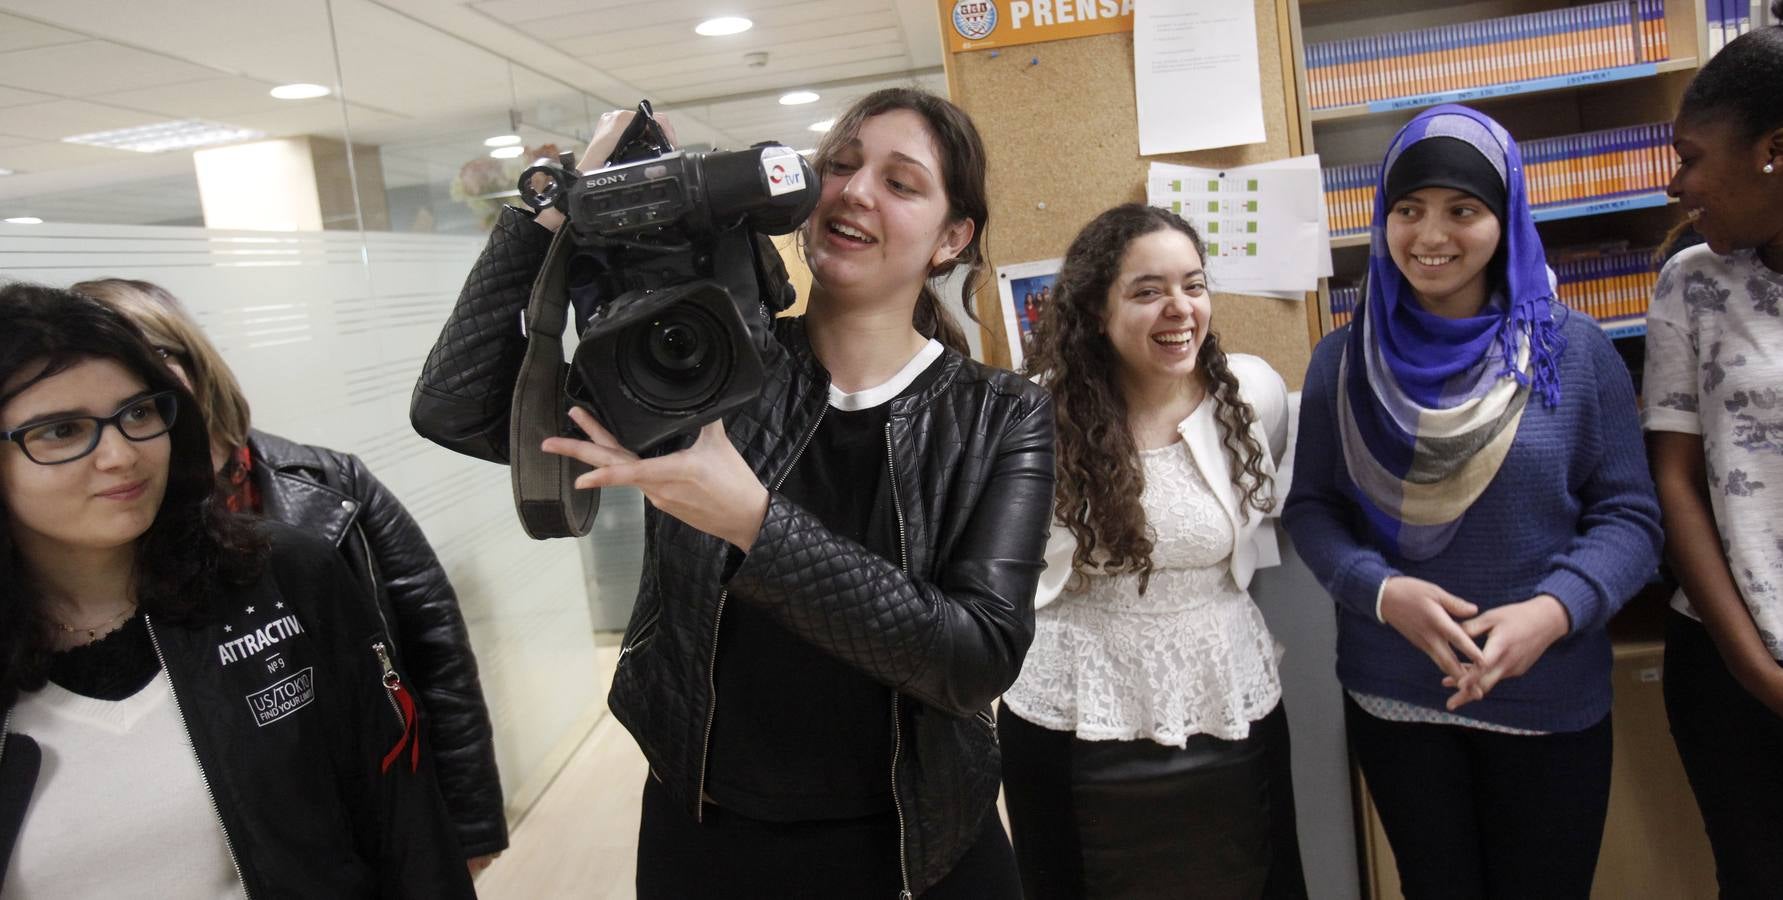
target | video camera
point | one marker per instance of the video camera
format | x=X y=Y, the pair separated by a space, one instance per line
x=668 y=273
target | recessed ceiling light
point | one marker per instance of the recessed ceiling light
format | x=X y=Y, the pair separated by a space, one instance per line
x=797 y=97
x=23 y=220
x=5 y=172
x=823 y=126
x=182 y=135
x=723 y=25
x=502 y=140
x=507 y=152
x=300 y=91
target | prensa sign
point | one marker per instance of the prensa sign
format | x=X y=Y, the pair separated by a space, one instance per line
x=984 y=24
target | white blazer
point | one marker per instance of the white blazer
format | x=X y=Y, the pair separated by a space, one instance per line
x=1253 y=544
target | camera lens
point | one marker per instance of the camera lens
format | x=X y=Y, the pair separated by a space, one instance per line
x=677 y=362
x=674 y=346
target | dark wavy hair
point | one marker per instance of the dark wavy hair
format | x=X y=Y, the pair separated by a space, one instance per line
x=1100 y=477
x=194 y=549
x=962 y=175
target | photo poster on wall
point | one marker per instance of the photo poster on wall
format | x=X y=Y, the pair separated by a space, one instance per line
x=1026 y=288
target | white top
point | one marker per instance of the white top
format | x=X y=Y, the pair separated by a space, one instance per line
x=1715 y=368
x=120 y=809
x=1193 y=654
x=867 y=398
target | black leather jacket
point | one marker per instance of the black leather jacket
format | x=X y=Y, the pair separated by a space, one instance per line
x=332 y=495
x=283 y=694
x=944 y=628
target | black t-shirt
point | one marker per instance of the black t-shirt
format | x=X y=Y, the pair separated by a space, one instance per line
x=800 y=735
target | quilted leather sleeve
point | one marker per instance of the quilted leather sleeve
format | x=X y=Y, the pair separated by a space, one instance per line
x=436 y=648
x=954 y=643
x=461 y=400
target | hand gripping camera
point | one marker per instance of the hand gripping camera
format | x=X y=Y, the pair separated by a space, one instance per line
x=668 y=275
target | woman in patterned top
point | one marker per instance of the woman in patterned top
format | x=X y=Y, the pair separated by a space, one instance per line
x=1145 y=747
x=1714 y=419
x=1470 y=488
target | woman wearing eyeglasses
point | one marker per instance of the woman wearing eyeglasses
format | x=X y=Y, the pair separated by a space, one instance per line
x=187 y=707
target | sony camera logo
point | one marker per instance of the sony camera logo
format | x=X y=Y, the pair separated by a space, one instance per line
x=605 y=180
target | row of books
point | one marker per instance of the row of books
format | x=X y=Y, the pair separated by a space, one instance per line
x=1608 y=285
x=1728 y=19
x=1487 y=52
x=1559 y=171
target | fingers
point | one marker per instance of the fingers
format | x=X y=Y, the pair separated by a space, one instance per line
x=587 y=452
x=636 y=473
x=1455 y=606
x=596 y=432
x=1444 y=658
x=606 y=137
x=1457 y=637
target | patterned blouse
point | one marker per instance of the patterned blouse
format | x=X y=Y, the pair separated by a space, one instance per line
x=1715 y=368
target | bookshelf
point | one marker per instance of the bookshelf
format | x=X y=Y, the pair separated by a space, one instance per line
x=1563 y=97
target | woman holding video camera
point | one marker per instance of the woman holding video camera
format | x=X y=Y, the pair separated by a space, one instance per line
x=848 y=563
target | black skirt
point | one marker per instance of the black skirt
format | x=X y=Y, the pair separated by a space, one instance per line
x=1137 y=819
x=729 y=855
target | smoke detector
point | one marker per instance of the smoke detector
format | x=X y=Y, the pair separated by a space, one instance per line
x=756 y=60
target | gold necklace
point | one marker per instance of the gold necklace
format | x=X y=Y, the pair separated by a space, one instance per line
x=93 y=631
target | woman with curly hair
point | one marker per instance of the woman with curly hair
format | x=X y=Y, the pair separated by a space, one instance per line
x=1145 y=746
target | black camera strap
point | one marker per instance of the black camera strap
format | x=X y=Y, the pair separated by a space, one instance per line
x=545 y=492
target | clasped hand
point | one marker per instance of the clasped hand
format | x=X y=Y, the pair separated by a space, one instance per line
x=708 y=485
x=1448 y=628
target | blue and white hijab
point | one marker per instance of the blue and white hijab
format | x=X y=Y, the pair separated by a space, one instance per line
x=1428 y=407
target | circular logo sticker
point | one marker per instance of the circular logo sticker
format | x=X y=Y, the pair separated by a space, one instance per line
x=975 y=19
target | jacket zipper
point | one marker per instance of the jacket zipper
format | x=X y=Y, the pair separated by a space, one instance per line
x=640 y=637
x=891 y=463
x=371 y=572
x=392 y=682
x=699 y=800
x=228 y=843
x=5 y=723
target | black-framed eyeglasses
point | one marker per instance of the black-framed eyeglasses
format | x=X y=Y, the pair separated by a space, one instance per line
x=67 y=439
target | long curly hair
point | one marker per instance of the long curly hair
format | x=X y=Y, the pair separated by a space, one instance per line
x=1100 y=478
x=195 y=549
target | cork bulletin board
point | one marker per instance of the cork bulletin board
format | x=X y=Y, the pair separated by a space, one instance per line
x=1059 y=121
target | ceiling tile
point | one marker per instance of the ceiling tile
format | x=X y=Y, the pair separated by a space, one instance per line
x=672 y=36
x=43 y=155
x=58 y=119
x=12 y=97
x=21 y=34
x=786 y=57
x=814 y=68
x=684 y=14
x=214 y=98
x=646 y=44
x=93 y=67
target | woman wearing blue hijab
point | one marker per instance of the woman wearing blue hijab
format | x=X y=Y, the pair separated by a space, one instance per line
x=1473 y=492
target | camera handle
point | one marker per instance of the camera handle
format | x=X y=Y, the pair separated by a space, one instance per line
x=544 y=484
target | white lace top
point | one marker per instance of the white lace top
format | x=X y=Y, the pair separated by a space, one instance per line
x=1190 y=656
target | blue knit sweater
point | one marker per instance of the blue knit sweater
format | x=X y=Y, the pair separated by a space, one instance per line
x=1572 y=513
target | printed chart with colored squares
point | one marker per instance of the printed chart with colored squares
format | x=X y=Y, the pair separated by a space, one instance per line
x=1227 y=211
